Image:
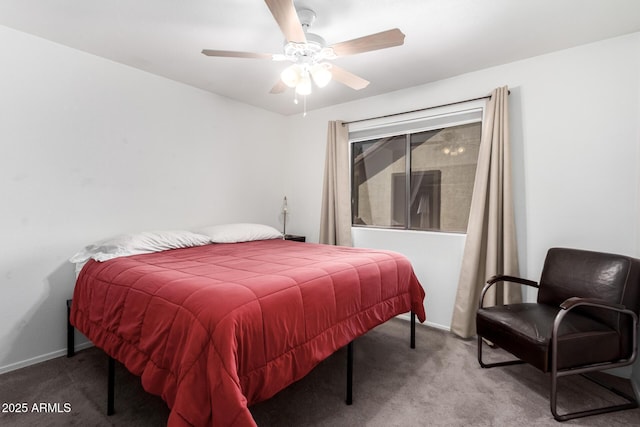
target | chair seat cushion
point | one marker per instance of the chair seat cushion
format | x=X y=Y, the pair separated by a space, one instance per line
x=525 y=331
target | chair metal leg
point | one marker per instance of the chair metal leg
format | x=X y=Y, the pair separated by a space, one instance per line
x=111 y=379
x=556 y=373
x=493 y=365
x=349 y=399
x=631 y=401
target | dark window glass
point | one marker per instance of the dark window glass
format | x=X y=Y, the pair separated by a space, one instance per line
x=416 y=181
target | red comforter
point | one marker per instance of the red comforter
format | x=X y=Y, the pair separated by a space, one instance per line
x=215 y=328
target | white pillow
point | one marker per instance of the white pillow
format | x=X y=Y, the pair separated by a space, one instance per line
x=241 y=232
x=139 y=243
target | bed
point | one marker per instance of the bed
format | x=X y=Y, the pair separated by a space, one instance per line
x=215 y=328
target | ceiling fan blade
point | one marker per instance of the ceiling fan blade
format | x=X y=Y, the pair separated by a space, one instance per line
x=347 y=78
x=382 y=40
x=279 y=87
x=284 y=12
x=235 y=54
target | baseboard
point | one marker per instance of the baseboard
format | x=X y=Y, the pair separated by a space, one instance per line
x=407 y=317
x=42 y=358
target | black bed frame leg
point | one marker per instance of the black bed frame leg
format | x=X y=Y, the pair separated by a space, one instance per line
x=70 y=338
x=413 y=330
x=349 y=399
x=111 y=379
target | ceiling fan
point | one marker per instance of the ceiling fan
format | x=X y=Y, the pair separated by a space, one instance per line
x=309 y=52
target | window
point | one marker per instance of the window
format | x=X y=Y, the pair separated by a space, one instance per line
x=416 y=175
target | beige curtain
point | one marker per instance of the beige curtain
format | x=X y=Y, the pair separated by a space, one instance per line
x=335 y=218
x=491 y=236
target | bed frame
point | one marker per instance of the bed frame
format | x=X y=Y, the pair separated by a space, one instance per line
x=111 y=362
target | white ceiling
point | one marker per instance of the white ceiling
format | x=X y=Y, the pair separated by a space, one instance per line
x=444 y=38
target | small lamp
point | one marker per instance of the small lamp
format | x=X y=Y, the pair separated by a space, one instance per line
x=284 y=217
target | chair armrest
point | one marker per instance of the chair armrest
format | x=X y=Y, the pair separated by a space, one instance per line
x=504 y=278
x=572 y=302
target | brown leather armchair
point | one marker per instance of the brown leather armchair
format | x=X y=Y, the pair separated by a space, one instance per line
x=585 y=320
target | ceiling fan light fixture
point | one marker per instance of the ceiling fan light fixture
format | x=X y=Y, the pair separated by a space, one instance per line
x=321 y=74
x=304 y=85
x=291 y=75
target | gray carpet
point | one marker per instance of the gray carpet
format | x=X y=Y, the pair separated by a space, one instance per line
x=437 y=384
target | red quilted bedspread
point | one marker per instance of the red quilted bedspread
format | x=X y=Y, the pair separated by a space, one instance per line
x=215 y=328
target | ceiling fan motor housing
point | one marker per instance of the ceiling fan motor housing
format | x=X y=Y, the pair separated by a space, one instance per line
x=314 y=50
x=307 y=17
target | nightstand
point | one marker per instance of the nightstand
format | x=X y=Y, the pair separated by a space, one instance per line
x=295 y=238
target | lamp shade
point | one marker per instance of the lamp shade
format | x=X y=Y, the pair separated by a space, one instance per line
x=304 y=85
x=291 y=75
x=321 y=74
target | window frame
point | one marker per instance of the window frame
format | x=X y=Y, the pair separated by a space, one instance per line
x=405 y=125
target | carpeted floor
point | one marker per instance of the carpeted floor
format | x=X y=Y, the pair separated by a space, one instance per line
x=437 y=384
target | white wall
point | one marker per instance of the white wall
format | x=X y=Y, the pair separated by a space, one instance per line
x=636 y=367
x=91 y=148
x=436 y=260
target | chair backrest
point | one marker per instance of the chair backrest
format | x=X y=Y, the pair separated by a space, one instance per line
x=579 y=273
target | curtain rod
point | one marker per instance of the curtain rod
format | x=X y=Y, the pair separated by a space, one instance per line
x=419 y=109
